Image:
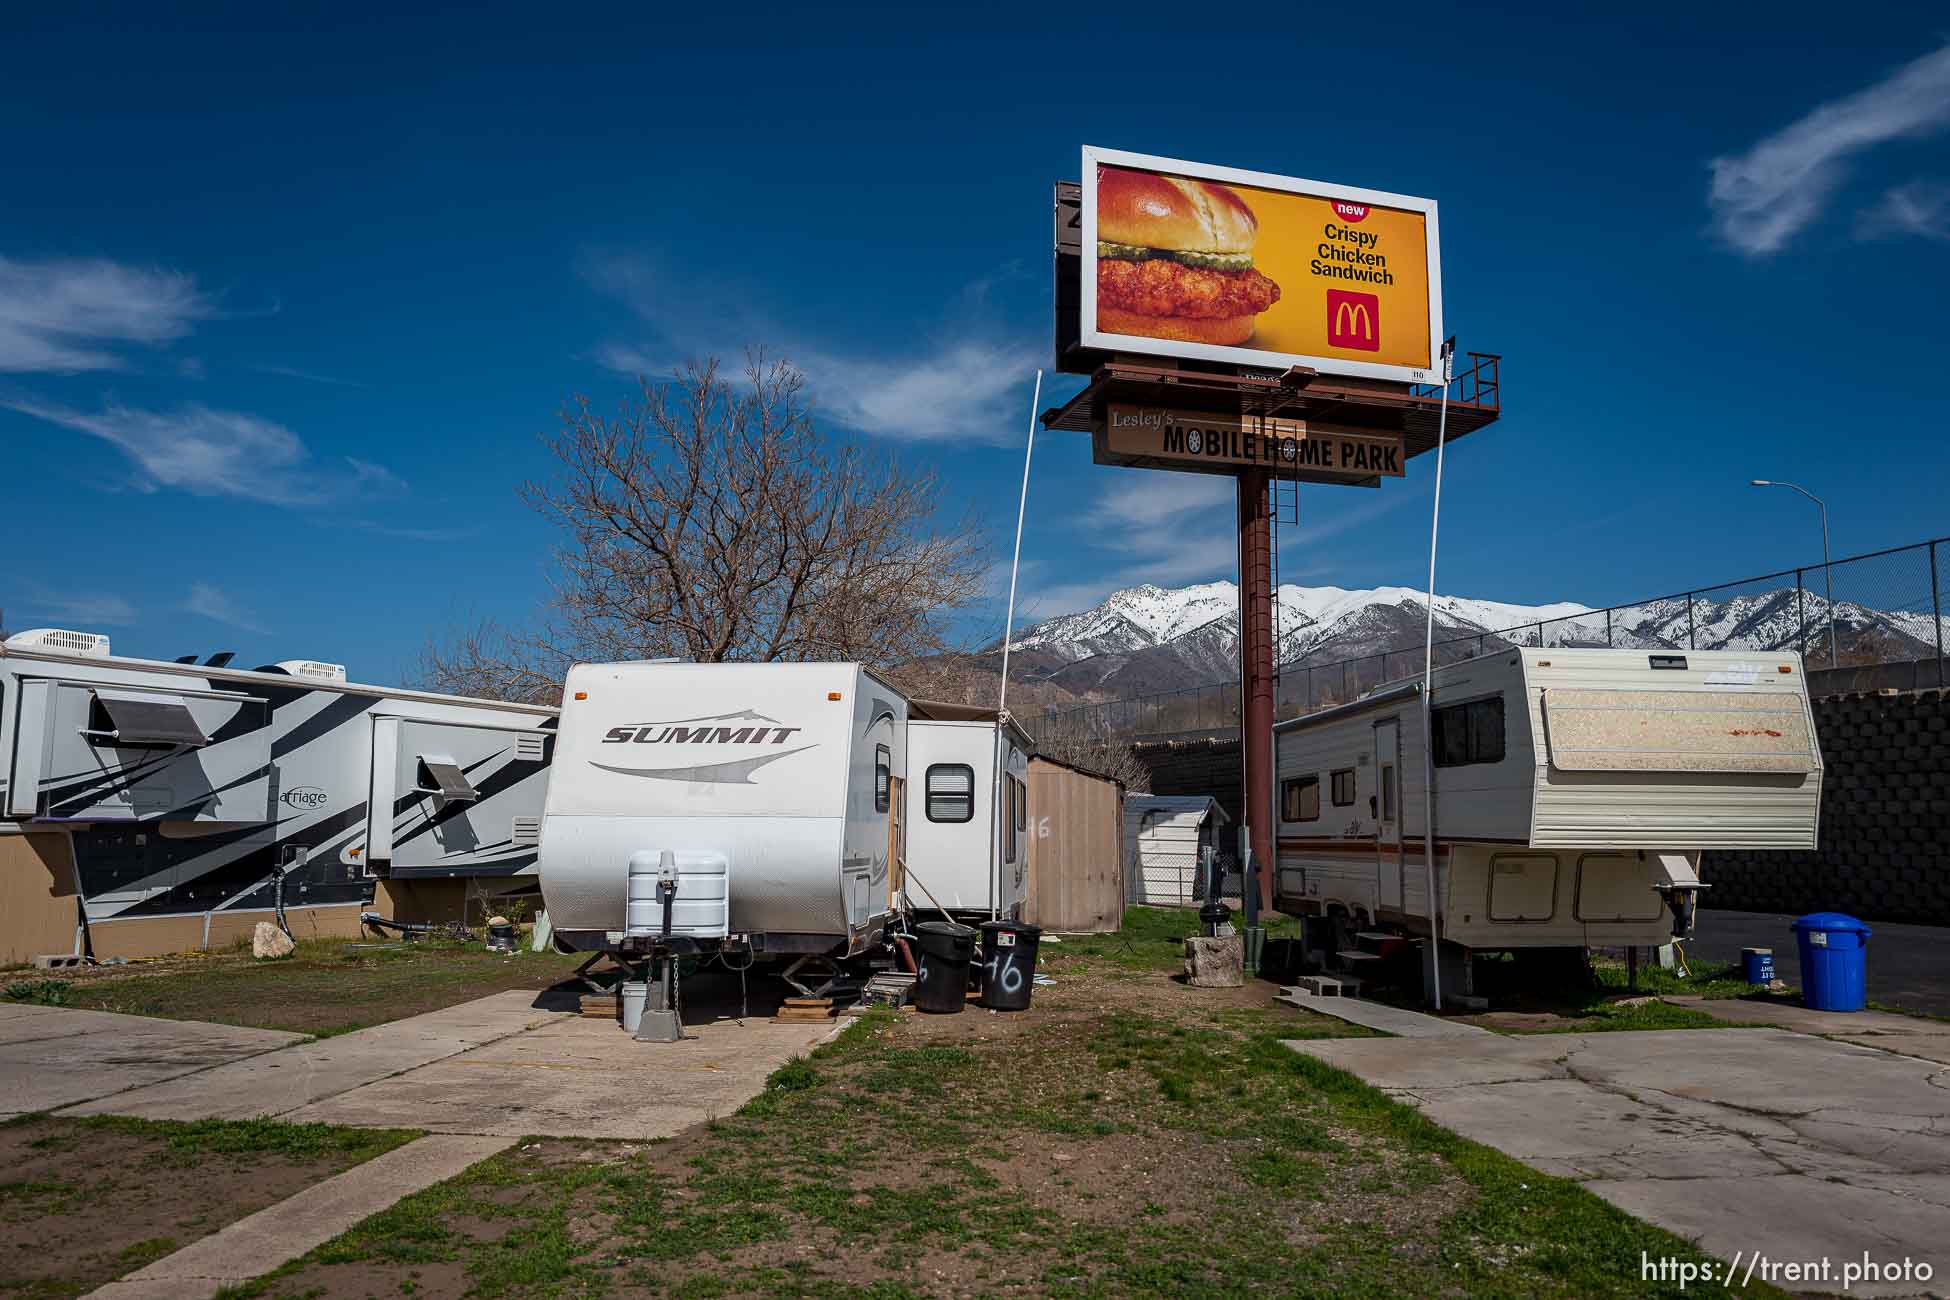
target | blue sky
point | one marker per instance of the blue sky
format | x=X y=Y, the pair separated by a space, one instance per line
x=286 y=294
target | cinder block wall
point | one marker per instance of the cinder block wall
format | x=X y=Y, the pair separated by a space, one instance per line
x=1214 y=767
x=1885 y=819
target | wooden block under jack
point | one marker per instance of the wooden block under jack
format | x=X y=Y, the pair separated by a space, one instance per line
x=804 y=1011
x=600 y=1006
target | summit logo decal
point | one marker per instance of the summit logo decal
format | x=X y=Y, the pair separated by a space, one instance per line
x=716 y=729
x=722 y=748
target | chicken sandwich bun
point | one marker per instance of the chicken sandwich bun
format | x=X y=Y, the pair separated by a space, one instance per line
x=1175 y=259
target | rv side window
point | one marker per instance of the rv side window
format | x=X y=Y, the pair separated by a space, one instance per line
x=1469 y=733
x=1300 y=799
x=1344 y=788
x=883 y=777
x=1022 y=805
x=1009 y=820
x=951 y=792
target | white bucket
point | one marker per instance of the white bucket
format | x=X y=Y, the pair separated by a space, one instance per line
x=636 y=994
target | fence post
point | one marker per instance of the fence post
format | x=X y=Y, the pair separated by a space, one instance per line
x=1608 y=640
x=1801 y=612
x=1936 y=608
x=1692 y=638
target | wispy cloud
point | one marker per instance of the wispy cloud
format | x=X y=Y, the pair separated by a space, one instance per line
x=1144 y=499
x=79 y=608
x=1919 y=208
x=209 y=452
x=65 y=315
x=213 y=603
x=309 y=376
x=961 y=378
x=1761 y=198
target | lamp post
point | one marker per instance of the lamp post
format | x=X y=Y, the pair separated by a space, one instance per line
x=1827 y=574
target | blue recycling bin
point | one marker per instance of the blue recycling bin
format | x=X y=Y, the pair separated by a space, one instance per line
x=1834 y=961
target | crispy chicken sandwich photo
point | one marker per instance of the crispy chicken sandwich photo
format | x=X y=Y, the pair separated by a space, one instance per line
x=1175 y=259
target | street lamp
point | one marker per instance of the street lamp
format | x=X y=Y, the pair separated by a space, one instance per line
x=1827 y=574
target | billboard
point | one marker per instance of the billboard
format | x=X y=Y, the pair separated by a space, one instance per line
x=1183 y=259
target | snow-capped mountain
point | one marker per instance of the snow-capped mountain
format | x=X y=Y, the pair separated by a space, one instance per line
x=1151 y=638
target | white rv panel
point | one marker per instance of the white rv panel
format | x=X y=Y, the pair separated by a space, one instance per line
x=784 y=769
x=951 y=819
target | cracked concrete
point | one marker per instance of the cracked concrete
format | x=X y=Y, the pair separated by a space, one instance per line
x=1742 y=1139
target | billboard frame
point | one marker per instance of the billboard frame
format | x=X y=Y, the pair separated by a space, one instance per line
x=1090 y=336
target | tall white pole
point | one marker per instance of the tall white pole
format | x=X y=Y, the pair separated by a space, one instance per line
x=1008 y=632
x=1428 y=685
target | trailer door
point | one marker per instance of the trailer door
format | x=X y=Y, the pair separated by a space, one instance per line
x=1388 y=811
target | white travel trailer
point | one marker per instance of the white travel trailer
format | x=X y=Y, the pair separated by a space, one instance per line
x=952 y=836
x=1574 y=790
x=150 y=807
x=766 y=796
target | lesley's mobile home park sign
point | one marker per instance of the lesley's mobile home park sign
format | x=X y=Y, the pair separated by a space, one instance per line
x=1222 y=442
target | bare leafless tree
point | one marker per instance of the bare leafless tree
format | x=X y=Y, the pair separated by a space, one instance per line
x=712 y=520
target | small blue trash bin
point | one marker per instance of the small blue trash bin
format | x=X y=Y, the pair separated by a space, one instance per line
x=1834 y=961
x=1757 y=965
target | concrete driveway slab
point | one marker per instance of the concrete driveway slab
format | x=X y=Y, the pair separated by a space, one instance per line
x=286 y=1081
x=580 y=1078
x=1743 y=1139
x=52 y=1057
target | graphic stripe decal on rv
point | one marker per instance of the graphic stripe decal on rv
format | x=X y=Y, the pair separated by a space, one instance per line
x=736 y=772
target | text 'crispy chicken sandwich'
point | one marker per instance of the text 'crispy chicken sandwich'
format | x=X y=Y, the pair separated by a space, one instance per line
x=1175 y=259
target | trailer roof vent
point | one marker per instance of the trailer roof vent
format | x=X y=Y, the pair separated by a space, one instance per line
x=60 y=638
x=313 y=668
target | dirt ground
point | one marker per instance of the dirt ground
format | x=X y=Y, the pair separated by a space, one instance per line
x=83 y=1202
x=326 y=987
x=1089 y=1146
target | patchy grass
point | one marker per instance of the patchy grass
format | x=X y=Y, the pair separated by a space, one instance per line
x=1126 y=1136
x=95 y=1199
x=328 y=986
x=1152 y=940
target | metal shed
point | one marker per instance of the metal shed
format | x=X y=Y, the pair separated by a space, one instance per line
x=1076 y=876
x=1163 y=836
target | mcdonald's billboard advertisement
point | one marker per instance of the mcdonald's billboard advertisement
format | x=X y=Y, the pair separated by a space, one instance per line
x=1182 y=259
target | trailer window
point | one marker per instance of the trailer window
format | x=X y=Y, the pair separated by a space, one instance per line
x=1300 y=799
x=951 y=792
x=1344 y=788
x=1022 y=804
x=1469 y=733
x=883 y=777
x=1388 y=792
x=1009 y=820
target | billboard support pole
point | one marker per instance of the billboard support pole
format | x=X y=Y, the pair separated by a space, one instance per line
x=1256 y=674
x=1428 y=711
x=1002 y=695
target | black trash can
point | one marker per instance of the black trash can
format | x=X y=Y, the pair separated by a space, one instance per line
x=1008 y=964
x=947 y=950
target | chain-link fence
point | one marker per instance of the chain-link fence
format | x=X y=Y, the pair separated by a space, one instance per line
x=1887 y=608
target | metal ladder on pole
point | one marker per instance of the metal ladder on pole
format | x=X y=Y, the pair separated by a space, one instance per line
x=1282 y=508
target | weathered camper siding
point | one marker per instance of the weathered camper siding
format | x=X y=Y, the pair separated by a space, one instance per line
x=1664 y=808
x=1162 y=839
x=1076 y=876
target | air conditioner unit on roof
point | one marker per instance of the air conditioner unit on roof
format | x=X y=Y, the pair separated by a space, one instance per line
x=60 y=638
x=312 y=668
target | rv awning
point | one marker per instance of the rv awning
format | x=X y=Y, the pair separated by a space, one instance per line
x=441 y=775
x=142 y=718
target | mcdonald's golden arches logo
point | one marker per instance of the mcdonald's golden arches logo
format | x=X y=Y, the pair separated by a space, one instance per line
x=1353 y=320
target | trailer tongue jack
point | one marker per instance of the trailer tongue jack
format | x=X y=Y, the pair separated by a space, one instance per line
x=661 y=1022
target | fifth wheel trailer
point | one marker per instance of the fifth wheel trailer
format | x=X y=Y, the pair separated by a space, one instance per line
x=1574 y=791
x=150 y=807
